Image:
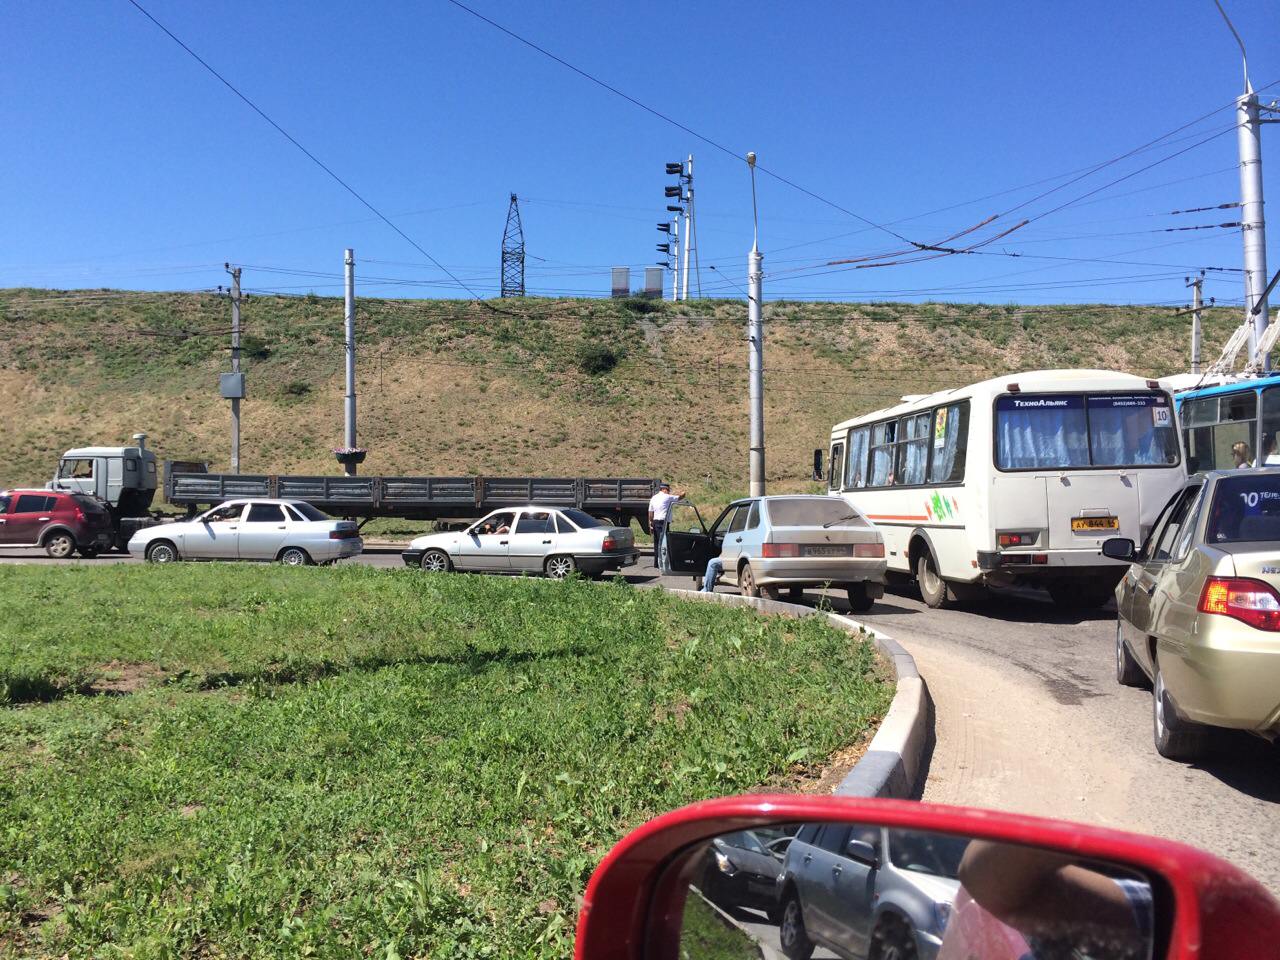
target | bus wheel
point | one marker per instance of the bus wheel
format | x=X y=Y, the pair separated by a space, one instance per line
x=933 y=589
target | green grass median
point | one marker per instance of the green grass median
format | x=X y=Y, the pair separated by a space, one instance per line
x=225 y=760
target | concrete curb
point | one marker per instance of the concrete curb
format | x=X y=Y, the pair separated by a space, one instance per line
x=892 y=763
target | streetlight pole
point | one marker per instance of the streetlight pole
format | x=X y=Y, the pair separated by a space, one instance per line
x=755 y=341
x=349 y=345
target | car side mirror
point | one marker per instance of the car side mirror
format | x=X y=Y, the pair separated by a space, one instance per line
x=818 y=472
x=1119 y=548
x=995 y=877
x=863 y=852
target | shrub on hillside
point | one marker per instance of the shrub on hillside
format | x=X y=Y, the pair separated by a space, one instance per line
x=595 y=359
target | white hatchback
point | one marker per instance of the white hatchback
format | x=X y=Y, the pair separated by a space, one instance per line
x=767 y=543
x=291 y=531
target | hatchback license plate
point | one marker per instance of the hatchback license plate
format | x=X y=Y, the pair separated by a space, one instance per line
x=1087 y=524
x=826 y=550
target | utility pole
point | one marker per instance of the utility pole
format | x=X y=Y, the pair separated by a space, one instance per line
x=1197 y=302
x=675 y=252
x=755 y=339
x=1252 y=222
x=236 y=389
x=349 y=348
x=687 y=177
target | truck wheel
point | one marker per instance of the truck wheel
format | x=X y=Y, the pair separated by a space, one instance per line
x=162 y=551
x=59 y=545
x=435 y=561
x=559 y=567
x=295 y=557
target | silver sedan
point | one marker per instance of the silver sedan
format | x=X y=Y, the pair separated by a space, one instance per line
x=291 y=531
x=530 y=539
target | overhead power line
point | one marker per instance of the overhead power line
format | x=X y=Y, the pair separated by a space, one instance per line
x=293 y=140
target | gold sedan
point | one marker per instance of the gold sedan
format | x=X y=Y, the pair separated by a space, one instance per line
x=1200 y=612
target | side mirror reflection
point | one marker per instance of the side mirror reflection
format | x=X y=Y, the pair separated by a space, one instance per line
x=865 y=891
x=1119 y=548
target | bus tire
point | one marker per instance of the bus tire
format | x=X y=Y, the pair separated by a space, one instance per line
x=933 y=589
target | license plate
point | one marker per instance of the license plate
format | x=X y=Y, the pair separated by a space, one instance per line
x=1095 y=523
x=826 y=550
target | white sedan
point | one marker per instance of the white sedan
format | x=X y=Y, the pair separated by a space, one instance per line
x=291 y=531
x=528 y=539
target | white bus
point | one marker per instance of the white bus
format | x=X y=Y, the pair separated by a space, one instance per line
x=1017 y=479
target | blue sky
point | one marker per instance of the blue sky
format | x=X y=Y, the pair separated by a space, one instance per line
x=127 y=165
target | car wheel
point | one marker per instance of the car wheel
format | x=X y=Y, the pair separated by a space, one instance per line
x=295 y=557
x=1128 y=673
x=435 y=561
x=860 y=601
x=747 y=582
x=59 y=545
x=892 y=940
x=933 y=589
x=559 y=567
x=792 y=938
x=1176 y=739
x=162 y=551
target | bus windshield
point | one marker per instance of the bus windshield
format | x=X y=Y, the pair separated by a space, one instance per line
x=1072 y=430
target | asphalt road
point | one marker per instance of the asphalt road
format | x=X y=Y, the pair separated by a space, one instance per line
x=1029 y=718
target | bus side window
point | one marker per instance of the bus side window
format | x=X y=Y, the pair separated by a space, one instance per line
x=950 y=439
x=835 y=469
x=855 y=474
x=1269 y=453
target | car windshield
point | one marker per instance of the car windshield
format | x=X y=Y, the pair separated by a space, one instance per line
x=813 y=512
x=583 y=521
x=1039 y=431
x=1246 y=509
x=933 y=853
x=308 y=511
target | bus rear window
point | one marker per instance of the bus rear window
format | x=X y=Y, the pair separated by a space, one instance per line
x=1078 y=431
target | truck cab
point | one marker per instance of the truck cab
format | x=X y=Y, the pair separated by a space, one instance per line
x=124 y=477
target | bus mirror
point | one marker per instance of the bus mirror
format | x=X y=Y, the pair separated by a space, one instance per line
x=818 y=472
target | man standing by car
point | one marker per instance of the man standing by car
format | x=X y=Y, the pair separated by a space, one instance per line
x=659 y=515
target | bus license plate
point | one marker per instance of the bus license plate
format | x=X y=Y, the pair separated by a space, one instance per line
x=1088 y=524
x=827 y=550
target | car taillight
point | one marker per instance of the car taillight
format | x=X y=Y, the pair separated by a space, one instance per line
x=1016 y=539
x=342 y=534
x=610 y=543
x=868 y=550
x=772 y=551
x=80 y=518
x=1249 y=601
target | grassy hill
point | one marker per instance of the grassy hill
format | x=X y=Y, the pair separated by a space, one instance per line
x=551 y=387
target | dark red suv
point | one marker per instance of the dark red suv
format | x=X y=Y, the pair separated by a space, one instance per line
x=60 y=522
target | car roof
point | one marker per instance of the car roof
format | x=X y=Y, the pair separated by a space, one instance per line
x=44 y=490
x=1239 y=471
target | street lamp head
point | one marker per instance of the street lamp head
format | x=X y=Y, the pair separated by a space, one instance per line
x=751 y=159
x=675 y=168
x=671 y=209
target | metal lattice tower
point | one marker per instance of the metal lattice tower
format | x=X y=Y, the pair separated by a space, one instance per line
x=513 y=252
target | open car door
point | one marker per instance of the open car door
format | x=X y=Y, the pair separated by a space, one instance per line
x=689 y=545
